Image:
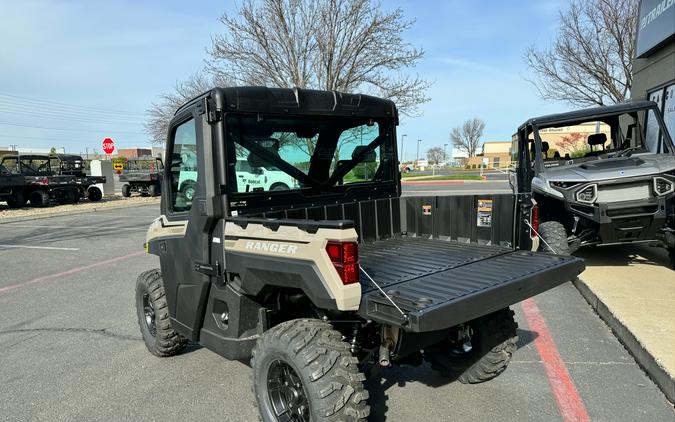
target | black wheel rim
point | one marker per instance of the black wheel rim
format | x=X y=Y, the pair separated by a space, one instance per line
x=149 y=312
x=286 y=393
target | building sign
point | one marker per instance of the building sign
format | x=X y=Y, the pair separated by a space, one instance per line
x=656 y=24
x=484 y=213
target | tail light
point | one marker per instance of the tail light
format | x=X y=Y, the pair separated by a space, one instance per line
x=44 y=181
x=534 y=217
x=345 y=258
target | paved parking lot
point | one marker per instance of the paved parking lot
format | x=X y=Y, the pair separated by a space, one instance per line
x=70 y=348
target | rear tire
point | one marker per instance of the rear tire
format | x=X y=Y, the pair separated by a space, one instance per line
x=555 y=236
x=303 y=366
x=94 y=194
x=153 y=190
x=153 y=316
x=39 y=199
x=493 y=342
x=16 y=200
x=126 y=191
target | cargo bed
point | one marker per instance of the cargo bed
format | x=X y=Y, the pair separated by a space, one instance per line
x=439 y=284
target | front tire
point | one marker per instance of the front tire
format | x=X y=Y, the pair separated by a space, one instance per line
x=553 y=238
x=94 y=194
x=126 y=190
x=153 y=316
x=486 y=354
x=279 y=186
x=302 y=370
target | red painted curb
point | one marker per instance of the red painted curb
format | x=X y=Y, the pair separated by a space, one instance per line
x=69 y=272
x=570 y=405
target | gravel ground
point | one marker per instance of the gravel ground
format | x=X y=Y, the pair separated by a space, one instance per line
x=111 y=201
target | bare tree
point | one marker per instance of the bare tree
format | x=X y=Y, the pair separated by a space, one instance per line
x=161 y=111
x=466 y=137
x=590 y=60
x=344 y=45
x=436 y=155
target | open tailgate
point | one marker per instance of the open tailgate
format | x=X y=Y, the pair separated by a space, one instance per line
x=439 y=284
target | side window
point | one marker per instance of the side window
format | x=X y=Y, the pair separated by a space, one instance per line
x=184 y=167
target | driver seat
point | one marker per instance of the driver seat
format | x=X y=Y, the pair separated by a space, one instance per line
x=596 y=139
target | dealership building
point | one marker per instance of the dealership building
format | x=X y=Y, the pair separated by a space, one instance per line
x=654 y=64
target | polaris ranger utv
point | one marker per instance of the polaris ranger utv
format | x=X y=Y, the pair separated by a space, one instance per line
x=614 y=184
x=41 y=185
x=318 y=285
x=74 y=165
x=11 y=188
x=142 y=175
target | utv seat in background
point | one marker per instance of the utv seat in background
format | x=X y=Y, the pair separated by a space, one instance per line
x=596 y=139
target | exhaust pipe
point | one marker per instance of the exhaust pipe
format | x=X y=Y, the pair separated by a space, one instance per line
x=383 y=358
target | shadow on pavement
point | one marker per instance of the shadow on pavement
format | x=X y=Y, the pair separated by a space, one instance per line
x=378 y=384
x=624 y=255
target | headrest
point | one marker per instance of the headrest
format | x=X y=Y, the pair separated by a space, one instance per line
x=544 y=146
x=597 y=139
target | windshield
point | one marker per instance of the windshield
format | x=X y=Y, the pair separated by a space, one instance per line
x=270 y=153
x=32 y=165
x=143 y=165
x=623 y=135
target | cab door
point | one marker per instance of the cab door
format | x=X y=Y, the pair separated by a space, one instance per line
x=189 y=221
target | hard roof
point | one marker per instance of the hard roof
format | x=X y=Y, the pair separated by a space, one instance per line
x=589 y=113
x=296 y=100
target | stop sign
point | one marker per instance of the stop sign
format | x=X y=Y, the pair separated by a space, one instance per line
x=108 y=146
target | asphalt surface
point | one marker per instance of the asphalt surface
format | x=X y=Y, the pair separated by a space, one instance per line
x=70 y=347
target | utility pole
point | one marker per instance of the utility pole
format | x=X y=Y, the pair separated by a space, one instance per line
x=402 y=136
x=13 y=147
x=417 y=157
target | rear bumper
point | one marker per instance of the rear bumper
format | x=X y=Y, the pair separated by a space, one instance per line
x=464 y=292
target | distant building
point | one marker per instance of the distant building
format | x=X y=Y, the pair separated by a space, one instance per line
x=158 y=152
x=654 y=63
x=495 y=154
x=134 y=152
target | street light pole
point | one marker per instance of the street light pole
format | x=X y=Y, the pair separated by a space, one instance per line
x=402 y=136
x=417 y=157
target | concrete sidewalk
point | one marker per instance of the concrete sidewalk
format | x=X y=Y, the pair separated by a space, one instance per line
x=633 y=289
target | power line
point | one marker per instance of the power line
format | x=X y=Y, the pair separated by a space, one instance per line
x=70 y=129
x=75 y=106
x=57 y=116
x=61 y=110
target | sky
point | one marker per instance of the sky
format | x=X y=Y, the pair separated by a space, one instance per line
x=75 y=72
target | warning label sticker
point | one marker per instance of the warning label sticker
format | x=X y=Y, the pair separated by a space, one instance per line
x=484 y=218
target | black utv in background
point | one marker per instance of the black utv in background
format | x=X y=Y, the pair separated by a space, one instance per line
x=42 y=186
x=11 y=188
x=615 y=185
x=143 y=176
x=74 y=165
x=321 y=284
